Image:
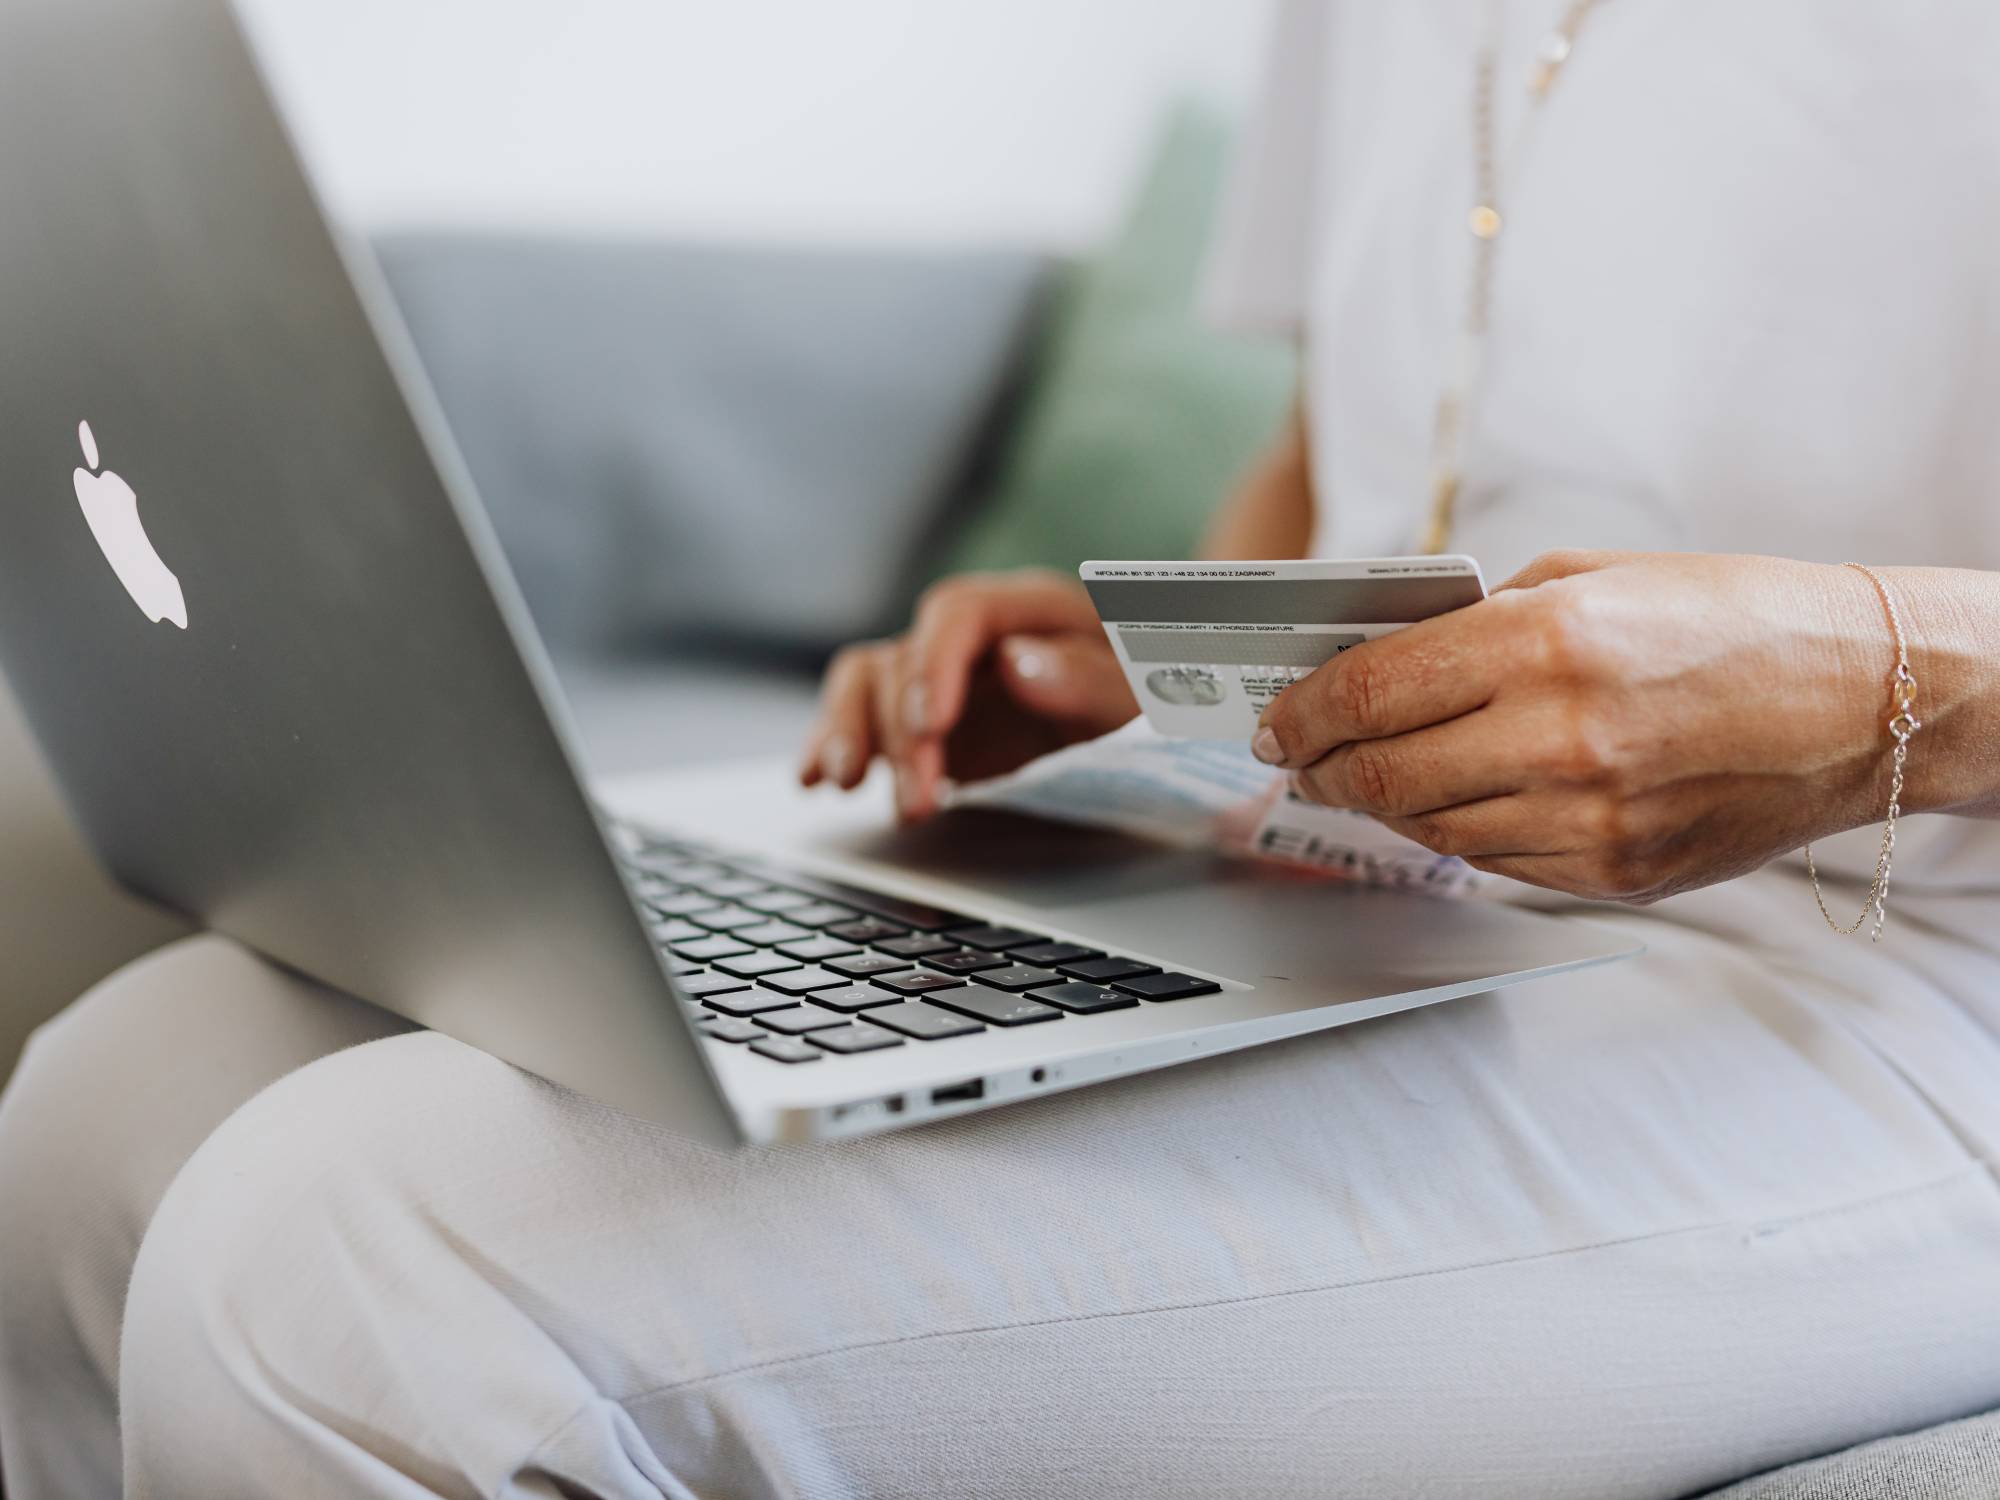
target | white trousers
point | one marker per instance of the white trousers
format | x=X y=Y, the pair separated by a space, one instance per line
x=1632 y=1232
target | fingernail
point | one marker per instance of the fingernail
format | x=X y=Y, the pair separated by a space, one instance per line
x=1032 y=664
x=906 y=793
x=837 y=756
x=917 y=708
x=1267 y=749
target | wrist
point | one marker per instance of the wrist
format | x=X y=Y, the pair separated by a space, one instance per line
x=1954 y=759
x=1860 y=669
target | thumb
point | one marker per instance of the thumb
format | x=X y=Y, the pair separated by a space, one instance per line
x=1073 y=678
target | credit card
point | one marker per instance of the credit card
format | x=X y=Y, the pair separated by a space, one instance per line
x=1207 y=645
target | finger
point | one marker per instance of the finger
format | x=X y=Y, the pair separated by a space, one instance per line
x=1565 y=873
x=1424 y=674
x=1438 y=767
x=958 y=624
x=1552 y=872
x=917 y=761
x=920 y=780
x=1074 y=679
x=891 y=737
x=1491 y=828
x=843 y=742
x=1564 y=563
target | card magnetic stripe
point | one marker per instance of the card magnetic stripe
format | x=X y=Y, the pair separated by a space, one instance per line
x=1223 y=648
x=1279 y=601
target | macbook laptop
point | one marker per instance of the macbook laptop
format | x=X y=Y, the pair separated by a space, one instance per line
x=262 y=631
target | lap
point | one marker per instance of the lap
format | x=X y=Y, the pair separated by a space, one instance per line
x=109 y=1101
x=1631 y=1231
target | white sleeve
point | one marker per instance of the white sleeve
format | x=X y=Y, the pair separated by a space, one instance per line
x=1260 y=270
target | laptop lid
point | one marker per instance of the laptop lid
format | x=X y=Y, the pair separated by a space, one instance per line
x=247 y=599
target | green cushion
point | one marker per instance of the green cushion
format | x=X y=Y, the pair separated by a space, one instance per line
x=1141 y=417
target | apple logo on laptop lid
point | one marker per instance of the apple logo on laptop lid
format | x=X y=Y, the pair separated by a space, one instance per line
x=112 y=509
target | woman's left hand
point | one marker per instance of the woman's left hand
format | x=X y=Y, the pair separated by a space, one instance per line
x=1619 y=726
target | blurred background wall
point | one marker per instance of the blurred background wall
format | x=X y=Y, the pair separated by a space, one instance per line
x=1016 y=121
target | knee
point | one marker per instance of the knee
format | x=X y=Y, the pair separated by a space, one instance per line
x=110 y=1099
x=314 y=1279
x=115 y=1093
x=298 y=1176
x=97 y=1117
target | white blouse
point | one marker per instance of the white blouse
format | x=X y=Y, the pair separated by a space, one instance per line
x=1747 y=298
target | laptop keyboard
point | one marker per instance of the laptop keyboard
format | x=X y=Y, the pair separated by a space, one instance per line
x=797 y=969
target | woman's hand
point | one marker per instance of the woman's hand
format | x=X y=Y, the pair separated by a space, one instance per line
x=997 y=669
x=1617 y=726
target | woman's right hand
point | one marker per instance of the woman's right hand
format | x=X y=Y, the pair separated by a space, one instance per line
x=997 y=669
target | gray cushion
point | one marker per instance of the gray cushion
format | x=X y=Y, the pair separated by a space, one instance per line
x=1958 y=1461
x=741 y=444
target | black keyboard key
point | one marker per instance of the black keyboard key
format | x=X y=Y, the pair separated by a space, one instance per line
x=1083 y=999
x=867 y=965
x=1104 y=970
x=803 y=981
x=913 y=914
x=859 y=1037
x=677 y=930
x=727 y=918
x=681 y=903
x=731 y=887
x=1048 y=955
x=921 y=946
x=867 y=930
x=918 y=983
x=787 y=1049
x=1167 y=986
x=814 y=949
x=986 y=935
x=755 y=965
x=749 y=1002
x=711 y=984
x=797 y=1020
x=729 y=1029
x=694 y=870
x=964 y=961
x=927 y=1023
x=707 y=950
x=776 y=901
x=649 y=841
x=682 y=966
x=995 y=1006
x=770 y=934
x=853 y=997
x=686 y=871
x=1018 y=977
x=821 y=914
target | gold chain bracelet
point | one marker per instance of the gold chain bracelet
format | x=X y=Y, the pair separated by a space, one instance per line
x=1902 y=724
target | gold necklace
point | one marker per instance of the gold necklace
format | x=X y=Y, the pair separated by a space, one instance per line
x=1486 y=224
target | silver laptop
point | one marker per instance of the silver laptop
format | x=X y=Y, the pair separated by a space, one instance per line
x=266 y=640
